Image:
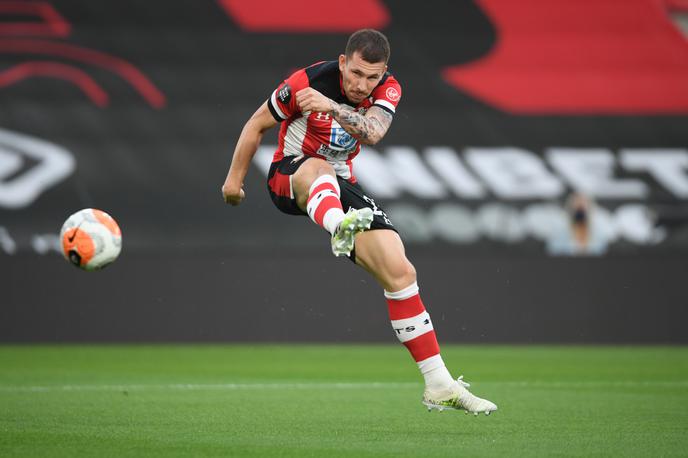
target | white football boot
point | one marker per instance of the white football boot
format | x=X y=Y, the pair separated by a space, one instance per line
x=457 y=397
x=355 y=221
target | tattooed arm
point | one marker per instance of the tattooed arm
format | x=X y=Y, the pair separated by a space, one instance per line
x=368 y=129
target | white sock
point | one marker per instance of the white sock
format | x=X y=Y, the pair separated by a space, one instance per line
x=435 y=373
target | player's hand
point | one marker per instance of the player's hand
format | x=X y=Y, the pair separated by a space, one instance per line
x=309 y=99
x=233 y=196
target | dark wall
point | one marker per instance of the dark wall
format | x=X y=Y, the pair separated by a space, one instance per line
x=310 y=297
x=140 y=104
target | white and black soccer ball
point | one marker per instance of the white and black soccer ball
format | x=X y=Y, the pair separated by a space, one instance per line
x=91 y=239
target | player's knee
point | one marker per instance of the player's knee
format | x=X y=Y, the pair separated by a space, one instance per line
x=323 y=168
x=402 y=276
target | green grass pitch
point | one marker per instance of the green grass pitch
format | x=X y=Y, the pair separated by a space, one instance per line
x=330 y=401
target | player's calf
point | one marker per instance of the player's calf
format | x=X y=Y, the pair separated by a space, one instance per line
x=412 y=326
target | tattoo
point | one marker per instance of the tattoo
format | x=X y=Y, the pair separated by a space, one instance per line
x=369 y=129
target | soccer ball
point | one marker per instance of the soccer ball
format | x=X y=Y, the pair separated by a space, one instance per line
x=91 y=239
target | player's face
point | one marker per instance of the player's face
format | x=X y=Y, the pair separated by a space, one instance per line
x=359 y=77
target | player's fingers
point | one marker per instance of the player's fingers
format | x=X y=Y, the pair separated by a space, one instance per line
x=304 y=105
x=304 y=91
x=233 y=199
x=302 y=97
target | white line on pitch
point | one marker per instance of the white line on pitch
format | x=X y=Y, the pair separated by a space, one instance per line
x=335 y=385
x=210 y=386
x=592 y=383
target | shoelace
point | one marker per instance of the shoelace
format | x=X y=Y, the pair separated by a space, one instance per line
x=462 y=382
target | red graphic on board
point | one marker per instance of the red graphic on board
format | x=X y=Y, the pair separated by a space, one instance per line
x=677 y=5
x=56 y=70
x=306 y=16
x=50 y=24
x=582 y=57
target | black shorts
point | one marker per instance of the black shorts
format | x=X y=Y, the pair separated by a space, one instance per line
x=352 y=194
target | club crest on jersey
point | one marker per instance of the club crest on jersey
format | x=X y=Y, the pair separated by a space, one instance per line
x=284 y=94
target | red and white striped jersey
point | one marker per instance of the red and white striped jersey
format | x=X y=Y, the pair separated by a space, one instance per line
x=318 y=134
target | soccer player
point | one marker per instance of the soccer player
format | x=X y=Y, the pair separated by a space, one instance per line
x=326 y=112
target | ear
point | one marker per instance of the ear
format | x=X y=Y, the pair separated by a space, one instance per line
x=342 y=62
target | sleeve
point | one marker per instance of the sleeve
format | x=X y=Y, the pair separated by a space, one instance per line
x=282 y=103
x=387 y=95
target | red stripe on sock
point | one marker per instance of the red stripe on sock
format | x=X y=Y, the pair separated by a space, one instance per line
x=405 y=308
x=326 y=204
x=423 y=346
x=322 y=187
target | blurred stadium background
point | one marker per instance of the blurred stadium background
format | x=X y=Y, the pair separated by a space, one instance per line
x=523 y=125
x=508 y=109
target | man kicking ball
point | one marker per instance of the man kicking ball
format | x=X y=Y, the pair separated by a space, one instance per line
x=327 y=110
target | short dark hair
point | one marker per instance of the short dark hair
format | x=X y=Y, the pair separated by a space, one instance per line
x=372 y=45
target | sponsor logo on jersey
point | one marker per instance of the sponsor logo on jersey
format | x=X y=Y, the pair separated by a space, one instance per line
x=392 y=94
x=340 y=139
x=284 y=94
